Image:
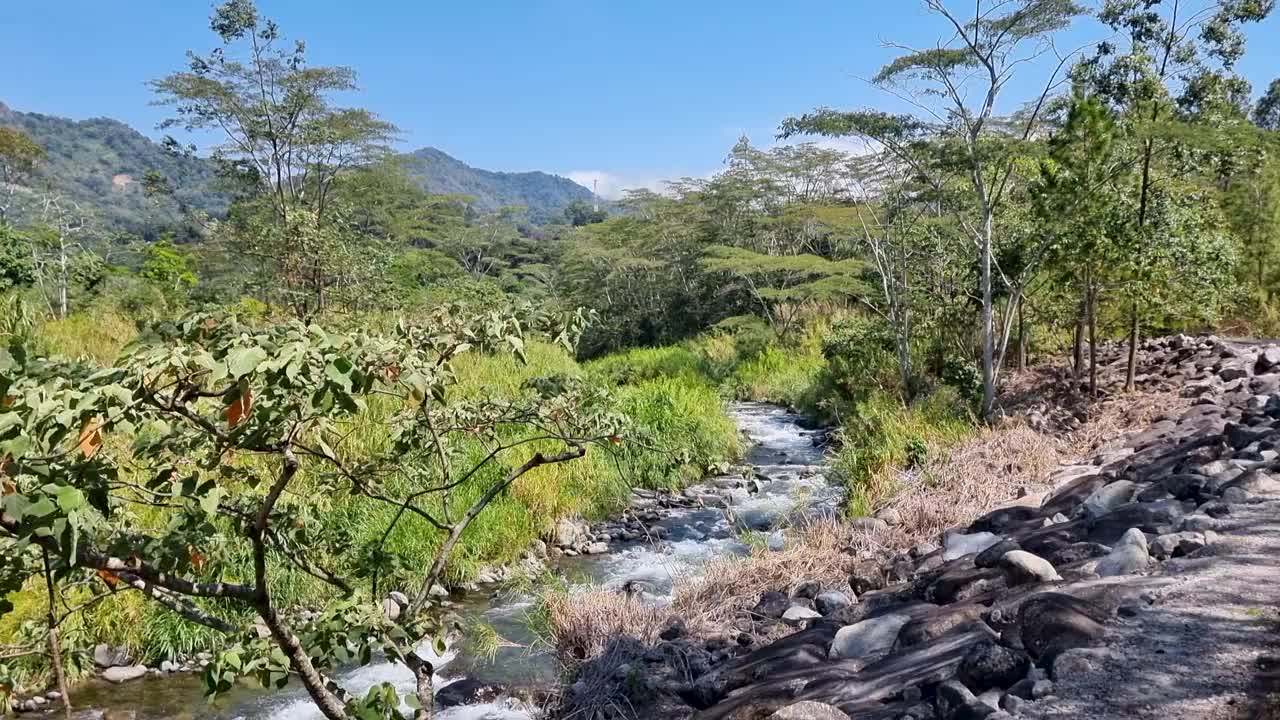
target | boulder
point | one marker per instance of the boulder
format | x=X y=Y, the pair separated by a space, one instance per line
x=1153 y=517
x=772 y=605
x=106 y=656
x=124 y=673
x=957 y=545
x=829 y=602
x=809 y=710
x=1129 y=556
x=1254 y=482
x=799 y=615
x=1177 y=544
x=1021 y=567
x=989 y=665
x=1108 y=498
x=569 y=533
x=867 y=637
x=467 y=691
x=1050 y=623
x=1068 y=497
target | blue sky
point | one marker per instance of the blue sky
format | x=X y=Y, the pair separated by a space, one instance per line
x=632 y=90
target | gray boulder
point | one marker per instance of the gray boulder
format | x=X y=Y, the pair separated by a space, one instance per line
x=957 y=545
x=1022 y=567
x=106 y=656
x=867 y=637
x=799 y=615
x=124 y=673
x=1108 y=498
x=829 y=602
x=1129 y=556
x=809 y=710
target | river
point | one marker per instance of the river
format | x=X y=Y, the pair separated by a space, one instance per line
x=780 y=450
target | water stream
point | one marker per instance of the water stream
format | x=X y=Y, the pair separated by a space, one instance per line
x=781 y=451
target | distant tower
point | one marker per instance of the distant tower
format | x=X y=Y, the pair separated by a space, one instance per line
x=595 y=197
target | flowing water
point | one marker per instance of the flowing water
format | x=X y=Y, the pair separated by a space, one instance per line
x=781 y=451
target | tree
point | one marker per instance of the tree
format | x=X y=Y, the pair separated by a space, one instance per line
x=1179 y=55
x=1080 y=180
x=232 y=435
x=60 y=255
x=1266 y=114
x=581 y=212
x=956 y=85
x=283 y=132
x=19 y=157
x=783 y=284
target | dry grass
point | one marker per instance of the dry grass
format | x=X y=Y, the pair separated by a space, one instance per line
x=583 y=625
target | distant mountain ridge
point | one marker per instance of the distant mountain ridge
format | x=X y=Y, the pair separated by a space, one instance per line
x=545 y=195
x=100 y=163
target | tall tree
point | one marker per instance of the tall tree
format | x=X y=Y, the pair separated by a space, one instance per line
x=956 y=86
x=19 y=157
x=284 y=133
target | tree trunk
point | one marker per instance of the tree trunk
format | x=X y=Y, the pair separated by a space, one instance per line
x=1093 y=341
x=1077 y=354
x=1134 y=327
x=1022 y=337
x=988 y=335
x=55 y=644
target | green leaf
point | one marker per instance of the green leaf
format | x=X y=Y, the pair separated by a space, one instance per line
x=243 y=361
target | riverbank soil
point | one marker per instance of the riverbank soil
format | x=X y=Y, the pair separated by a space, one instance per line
x=1138 y=580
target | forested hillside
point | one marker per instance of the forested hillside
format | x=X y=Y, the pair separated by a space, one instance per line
x=546 y=196
x=103 y=165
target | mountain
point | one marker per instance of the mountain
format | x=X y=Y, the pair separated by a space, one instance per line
x=545 y=195
x=100 y=164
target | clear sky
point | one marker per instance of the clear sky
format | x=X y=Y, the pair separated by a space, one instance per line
x=633 y=90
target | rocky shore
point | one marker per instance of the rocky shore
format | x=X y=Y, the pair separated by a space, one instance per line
x=1036 y=609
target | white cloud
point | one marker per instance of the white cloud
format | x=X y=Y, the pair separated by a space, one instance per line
x=610 y=186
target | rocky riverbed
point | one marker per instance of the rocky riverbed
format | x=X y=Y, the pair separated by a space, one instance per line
x=1143 y=583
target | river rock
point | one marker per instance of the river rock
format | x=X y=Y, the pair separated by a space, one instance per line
x=957 y=544
x=1022 y=567
x=1050 y=623
x=1255 y=482
x=829 y=602
x=809 y=710
x=106 y=656
x=596 y=548
x=1129 y=556
x=988 y=665
x=466 y=691
x=772 y=605
x=569 y=534
x=1177 y=544
x=799 y=615
x=1108 y=498
x=867 y=637
x=124 y=673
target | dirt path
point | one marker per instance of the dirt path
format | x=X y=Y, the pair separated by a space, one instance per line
x=1204 y=650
